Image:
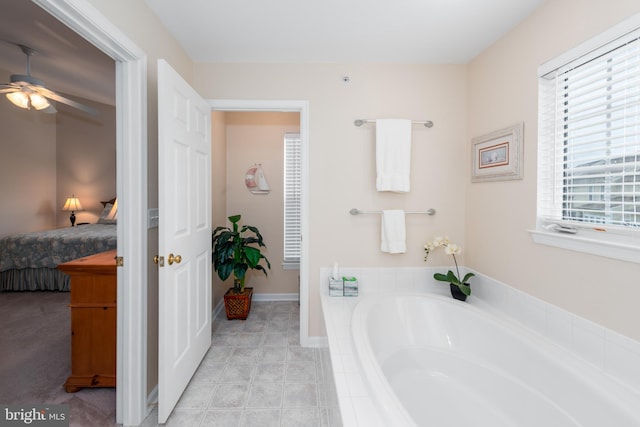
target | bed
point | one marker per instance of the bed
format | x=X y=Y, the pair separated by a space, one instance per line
x=28 y=261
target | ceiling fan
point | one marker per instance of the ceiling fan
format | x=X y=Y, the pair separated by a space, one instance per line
x=25 y=91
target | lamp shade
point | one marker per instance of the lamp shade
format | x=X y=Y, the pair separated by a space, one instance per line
x=72 y=204
x=27 y=100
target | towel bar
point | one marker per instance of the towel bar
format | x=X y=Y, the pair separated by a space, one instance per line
x=426 y=123
x=355 y=211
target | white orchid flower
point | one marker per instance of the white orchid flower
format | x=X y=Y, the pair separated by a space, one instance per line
x=453 y=249
x=451 y=277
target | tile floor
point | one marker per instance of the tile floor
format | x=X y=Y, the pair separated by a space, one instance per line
x=257 y=374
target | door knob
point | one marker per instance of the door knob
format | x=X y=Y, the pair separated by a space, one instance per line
x=176 y=258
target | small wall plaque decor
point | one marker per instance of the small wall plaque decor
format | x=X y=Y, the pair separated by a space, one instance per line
x=498 y=155
x=255 y=180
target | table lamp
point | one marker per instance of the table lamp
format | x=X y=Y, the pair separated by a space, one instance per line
x=72 y=204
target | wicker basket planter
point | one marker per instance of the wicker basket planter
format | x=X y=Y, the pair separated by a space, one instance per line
x=237 y=305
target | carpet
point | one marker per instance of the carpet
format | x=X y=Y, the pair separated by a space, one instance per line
x=35 y=348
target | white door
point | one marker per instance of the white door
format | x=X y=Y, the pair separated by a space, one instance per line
x=184 y=203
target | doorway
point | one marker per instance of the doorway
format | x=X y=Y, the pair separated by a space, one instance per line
x=131 y=168
x=301 y=107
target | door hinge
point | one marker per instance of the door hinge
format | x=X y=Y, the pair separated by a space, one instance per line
x=119 y=261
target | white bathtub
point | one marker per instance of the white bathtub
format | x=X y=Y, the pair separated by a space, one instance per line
x=429 y=360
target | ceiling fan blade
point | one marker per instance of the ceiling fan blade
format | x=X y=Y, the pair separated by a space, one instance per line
x=52 y=95
x=9 y=85
x=8 y=89
x=50 y=109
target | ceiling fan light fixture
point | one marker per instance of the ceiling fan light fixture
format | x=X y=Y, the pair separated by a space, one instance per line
x=26 y=100
x=19 y=99
x=38 y=101
x=25 y=91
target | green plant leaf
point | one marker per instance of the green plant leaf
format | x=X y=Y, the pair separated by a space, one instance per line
x=452 y=277
x=257 y=233
x=250 y=240
x=224 y=270
x=441 y=277
x=466 y=289
x=252 y=255
x=219 y=229
x=261 y=268
x=239 y=270
x=467 y=277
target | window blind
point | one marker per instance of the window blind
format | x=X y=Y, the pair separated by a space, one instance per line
x=292 y=194
x=589 y=138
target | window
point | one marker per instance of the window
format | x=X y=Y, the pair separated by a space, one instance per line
x=589 y=146
x=292 y=194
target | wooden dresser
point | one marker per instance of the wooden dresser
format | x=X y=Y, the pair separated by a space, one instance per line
x=93 y=321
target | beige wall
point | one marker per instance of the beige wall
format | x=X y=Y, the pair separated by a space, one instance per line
x=502 y=91
x=47 y=158
x=258 y=138
x=27 y=169
x=86 y=160
x=342 y=164
x=218 y=186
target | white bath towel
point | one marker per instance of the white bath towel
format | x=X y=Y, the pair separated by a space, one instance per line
x=393 y=155
x=393 y=232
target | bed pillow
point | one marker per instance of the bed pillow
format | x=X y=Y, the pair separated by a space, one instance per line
x=104 y=216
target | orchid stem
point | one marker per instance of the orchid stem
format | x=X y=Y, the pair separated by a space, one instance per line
x=456 y=262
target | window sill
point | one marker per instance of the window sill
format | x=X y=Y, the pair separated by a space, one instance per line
x=586 y=244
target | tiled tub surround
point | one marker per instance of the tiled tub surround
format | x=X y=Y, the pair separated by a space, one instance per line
x=615 y=355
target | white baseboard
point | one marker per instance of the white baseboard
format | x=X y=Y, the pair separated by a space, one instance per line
x=217 y=309
x=276 y=297
x=152 y=398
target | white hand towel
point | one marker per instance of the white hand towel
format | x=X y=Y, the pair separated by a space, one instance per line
x=393 y=154
x=393 y=232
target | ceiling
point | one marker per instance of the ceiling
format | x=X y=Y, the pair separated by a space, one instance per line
x=338 y=31
x=66 y=62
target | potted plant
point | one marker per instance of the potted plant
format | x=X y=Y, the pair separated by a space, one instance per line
x=460 y=289
x=236 y=250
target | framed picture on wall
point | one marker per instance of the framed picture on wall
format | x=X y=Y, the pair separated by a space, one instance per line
x=498 y=155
